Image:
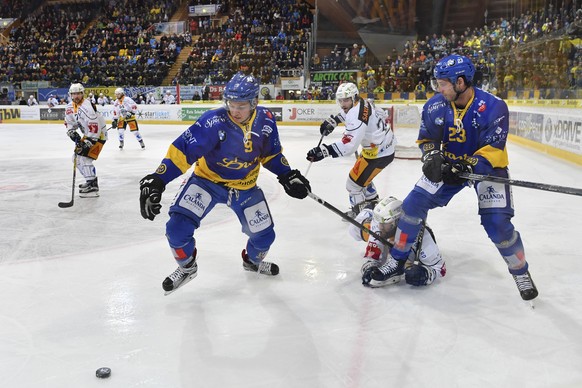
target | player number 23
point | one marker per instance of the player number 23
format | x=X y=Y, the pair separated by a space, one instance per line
x=457 y=134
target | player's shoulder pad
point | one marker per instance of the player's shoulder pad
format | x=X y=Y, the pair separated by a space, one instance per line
x=435 y=103
x=212 y=118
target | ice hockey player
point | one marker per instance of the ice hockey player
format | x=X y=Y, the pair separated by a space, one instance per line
x=228 y=146
x=382 y=220
x=365 y=126
x=463 y=129
x=124 y=110
x=168 y=98
x=81 y=115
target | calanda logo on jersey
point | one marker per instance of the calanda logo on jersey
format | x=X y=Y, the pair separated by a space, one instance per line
x=195 y=200
x=491 y=194
x=259 y=218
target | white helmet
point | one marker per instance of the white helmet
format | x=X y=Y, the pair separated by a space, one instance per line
x=76 y=88
x=119 y=91
x=387 y=213
x=31 y=96
x=347 y=90
x=168 y=92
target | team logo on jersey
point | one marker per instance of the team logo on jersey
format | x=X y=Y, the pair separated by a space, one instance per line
x=221 y=135
x=195 y=199
x=482 y=106
x=492 y=196
x=267 y=130
x=347 y=138
x=258 y=217
x=161 y=169
x=284 y=161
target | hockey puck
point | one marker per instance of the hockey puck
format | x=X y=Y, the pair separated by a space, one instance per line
x=103 y=372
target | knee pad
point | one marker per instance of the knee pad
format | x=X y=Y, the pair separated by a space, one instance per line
x=180 y=235
x=498 y=226
x=85 y=166
x=357 y=192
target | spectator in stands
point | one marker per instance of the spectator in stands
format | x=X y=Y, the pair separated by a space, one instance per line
x=52 y=101
x=31 y=101
x=169 y=98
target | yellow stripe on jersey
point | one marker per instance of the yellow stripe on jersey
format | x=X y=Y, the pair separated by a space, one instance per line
x=498 y=158
x=268 y=158
x=245 y=183
x=178 y=158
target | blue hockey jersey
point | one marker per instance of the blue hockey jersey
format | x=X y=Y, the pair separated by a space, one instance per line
x=225 y=152
x=476 y=134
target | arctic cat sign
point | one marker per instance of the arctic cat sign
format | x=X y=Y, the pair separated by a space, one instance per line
x=333 y=76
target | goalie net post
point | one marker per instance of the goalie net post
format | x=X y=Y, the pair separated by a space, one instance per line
x=405 y=121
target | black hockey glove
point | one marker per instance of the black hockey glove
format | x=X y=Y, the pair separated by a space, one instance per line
x=451 y=172
x=328 y=126
x=84 y=146
x=114 y=123
x=432 y=165
x=74 y=135
x=151 y=188
x=318 y=153
x=419 y=275
x=295 y=184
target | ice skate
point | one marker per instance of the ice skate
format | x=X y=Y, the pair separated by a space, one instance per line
x=356 y=209
x=390 y=272
x=90 y=189
x=180 y=276
x=141 y=143
x=525 y=285
x=263 y=268
x=121 y=145
x=368 y=265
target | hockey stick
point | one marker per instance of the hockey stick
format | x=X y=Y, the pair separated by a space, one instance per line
x=310 y=163
x=419 y=239
x=530 y=185
x=70 y=203
x=350 y=220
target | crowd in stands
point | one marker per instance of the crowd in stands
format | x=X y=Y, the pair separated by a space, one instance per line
x=532 y=51
x=263 y=39
x=63 y=43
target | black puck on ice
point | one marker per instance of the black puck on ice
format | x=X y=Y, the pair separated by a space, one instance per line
x=103 y=373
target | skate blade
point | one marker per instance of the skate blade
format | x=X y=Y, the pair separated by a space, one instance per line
x=378 y=284
x=88 y=195
x=192 y=276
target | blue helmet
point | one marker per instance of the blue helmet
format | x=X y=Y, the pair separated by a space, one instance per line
x=241 y=88
x=453 y=67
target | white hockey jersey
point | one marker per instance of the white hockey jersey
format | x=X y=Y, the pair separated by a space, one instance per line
x=124 y=108
x=430 y=254
x=365 y=126
x=85 y=117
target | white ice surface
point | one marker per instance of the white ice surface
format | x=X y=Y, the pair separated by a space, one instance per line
x=71 y=301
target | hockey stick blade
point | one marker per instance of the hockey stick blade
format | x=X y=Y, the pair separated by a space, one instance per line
x=529 y=185
x=72 y=201
x=350 y=219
